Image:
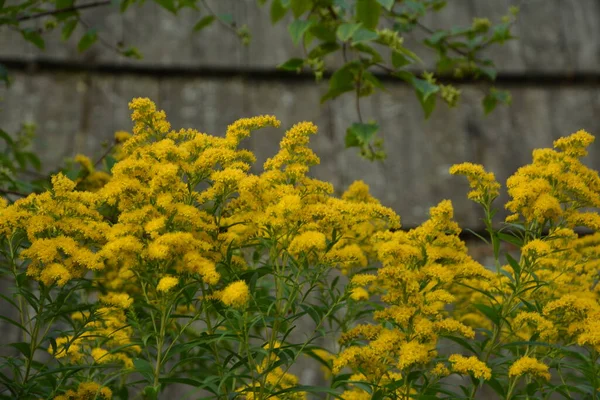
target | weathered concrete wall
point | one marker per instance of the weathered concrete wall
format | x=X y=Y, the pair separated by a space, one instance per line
x=78 y=108
x=77 y=112
x=559 y=36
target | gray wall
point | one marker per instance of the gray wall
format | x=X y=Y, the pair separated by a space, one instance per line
x=79 y=100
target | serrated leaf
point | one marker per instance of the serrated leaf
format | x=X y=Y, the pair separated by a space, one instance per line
x=425 y=88
x=68 y=28
x=399 y=60
x=87 y=40
x=204 y=22
x=292 y=64
x=368 y=12
x=387 y=4
x=227 y=18
x=323 y=49
x=278 y=11
x=341 y=81
x=345 y=31
x=33 y=37
x=299 y=7
x=168 y=5
x=364 y=35
x=363 y=133
x=298 y=28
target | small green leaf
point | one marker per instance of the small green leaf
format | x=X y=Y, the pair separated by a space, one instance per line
x=227 y=18
x=33 y=37
x=87 y=40
x=424 y=87
x=361 y=133
x=132 y=52
x=168 y=5
x=387 y=4
x=368 y=12
x=490 y=72
x=427 y=104
x=298 y=28
x=364 y=35
x=143 y=367
x=341 y=81
x=23 y=348
x=68 y=29
x=489 y=312
x=292 y=64
x=278 y=11
x=345 y=31
x=323 y=49
x=399 y=60
x=489 y=104
x=204 y=22
x=299 y=7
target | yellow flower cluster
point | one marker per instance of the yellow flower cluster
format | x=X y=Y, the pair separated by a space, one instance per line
x=529 y=366
x=419 y=267
x=87 y=391
x=556 y=186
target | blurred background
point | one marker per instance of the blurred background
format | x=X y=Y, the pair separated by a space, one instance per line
x=207 y=80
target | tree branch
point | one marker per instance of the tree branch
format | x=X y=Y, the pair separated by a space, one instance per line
x=62 y=10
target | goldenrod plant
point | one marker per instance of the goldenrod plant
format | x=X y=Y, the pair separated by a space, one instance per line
x=179 y=266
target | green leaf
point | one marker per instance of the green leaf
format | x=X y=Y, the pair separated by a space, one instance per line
x=345 y=31
x=298 y=28
x=363 y=35
x=399 y=60
x=168 y=5
x=144 y=367
x=323 y=49
x=489 y=312
x=23 y=348
x=227 y=18
x=87 y=40
x=68 y=28
x=341 y=81
x=424 y=88
x=323 y=32
x=204 y=22
x=387 y=4
x=360 y=133
x=490 y=72
x=368 y=12
x=292 y=64
x=278 y=11
x=489 y=104
x=33 y=37
x=299 y=7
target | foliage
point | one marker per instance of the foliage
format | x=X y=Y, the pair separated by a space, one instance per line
x=180 y=267
x=367 y=35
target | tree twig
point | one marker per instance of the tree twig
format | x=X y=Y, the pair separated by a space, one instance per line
x=62 y=10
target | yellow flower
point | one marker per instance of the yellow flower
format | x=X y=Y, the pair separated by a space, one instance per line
x=236 y=294
x=307 y=241
x=529 y=366
x=167 y=283
x=464 y=365
x=359 y=293
x=484 y=184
